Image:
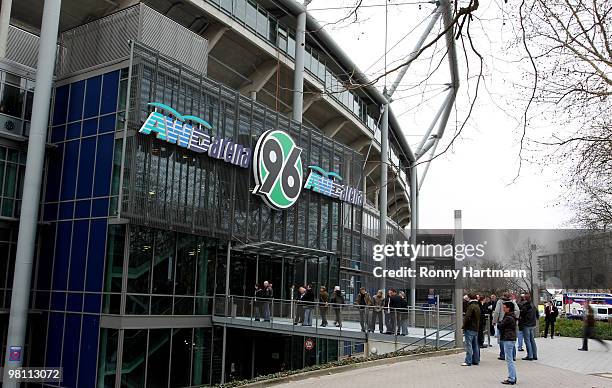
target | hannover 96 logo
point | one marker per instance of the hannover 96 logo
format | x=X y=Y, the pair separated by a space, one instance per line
x=277 y=168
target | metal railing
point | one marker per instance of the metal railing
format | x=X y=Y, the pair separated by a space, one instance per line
x=432 y=325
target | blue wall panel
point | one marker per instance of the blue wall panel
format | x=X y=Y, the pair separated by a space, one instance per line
x=54 y=339
x=92 y=97
x=89 y=351
x=60 y=107
x=69 y=170
x=86 y=166
x=104 y=165
x=54 y=173
x=75 y=105
x=72 y=339
x=110 y=89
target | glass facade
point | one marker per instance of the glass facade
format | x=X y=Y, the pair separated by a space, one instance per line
x=155 y=357
x=145 y=234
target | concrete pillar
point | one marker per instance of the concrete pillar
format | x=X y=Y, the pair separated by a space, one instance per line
x=5 y=20
x=259 y=78
x=458 y=294
x=32 y=182
x=309 y=99
x=333 y=126
x=213 y=34
x=357 y=145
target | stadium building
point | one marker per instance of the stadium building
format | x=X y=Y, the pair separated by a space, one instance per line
x=175 y=174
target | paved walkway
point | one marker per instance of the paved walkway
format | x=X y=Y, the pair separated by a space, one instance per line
x=560 y=364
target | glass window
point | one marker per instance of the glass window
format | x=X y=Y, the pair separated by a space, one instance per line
x=134 y=358
x=11 y=100
x=240 y=9
x=291 y=46
x=163 y=272
x=182 y=343
x=157 y=364
x=107 y=364
x=140 y=261
x=114 y=268
x=226 y=5
x=262 y=24
x=251 y=15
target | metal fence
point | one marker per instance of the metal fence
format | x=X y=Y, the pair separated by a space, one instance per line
x=411 y=326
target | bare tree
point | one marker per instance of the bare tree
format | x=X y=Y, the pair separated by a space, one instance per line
x=488 y=285
x=524 y=258
x=569 y=52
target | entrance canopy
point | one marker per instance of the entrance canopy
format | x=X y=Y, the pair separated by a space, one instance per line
x=280 y=250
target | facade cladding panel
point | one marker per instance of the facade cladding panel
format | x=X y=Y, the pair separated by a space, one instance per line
x=70 y=265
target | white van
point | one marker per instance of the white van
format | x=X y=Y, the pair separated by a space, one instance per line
x=602 y=312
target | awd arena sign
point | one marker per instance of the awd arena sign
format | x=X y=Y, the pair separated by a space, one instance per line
x=187 y=132
x=277 y=162
x=323 y=182
x=277 y=169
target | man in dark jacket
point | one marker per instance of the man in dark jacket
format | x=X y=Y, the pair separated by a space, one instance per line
x=299 y=306
x=323 y=302
x=267 y=294
x=528 y=321
x=308 y=300
x=482 y=322
x=507 y=337
x=363 y=301
x=392 y=303
x=550 y=317
x=471 y=323
x=257 y=302
x=337 y=301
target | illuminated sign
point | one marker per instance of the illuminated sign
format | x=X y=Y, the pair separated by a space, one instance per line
x=321 y=181
x=188 y=132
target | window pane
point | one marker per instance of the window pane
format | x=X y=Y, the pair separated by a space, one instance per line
x=11 y=102
x=134 y=357
x=107 y=365
x=159 y=354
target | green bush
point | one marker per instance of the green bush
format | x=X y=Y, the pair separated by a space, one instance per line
x=344 y=361
x=573 y=328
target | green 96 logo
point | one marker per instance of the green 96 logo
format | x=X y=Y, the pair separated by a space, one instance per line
x=277 y=169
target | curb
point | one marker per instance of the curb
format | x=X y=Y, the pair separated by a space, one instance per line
x=345 y=368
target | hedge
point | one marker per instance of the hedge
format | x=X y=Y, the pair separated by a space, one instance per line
x=573 y=328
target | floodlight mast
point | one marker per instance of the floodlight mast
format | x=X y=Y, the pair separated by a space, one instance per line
x=443 y=8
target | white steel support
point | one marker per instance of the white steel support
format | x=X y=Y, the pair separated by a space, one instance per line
x=382 y=197
x=32 y=183
x=298 y=73
x=413 y=182
x=415 y=52
x=5 y=20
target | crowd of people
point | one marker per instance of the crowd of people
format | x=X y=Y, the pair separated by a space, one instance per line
x=389 y=313
x=513 y=319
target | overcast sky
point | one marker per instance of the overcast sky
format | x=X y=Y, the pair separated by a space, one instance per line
x=477 y=174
